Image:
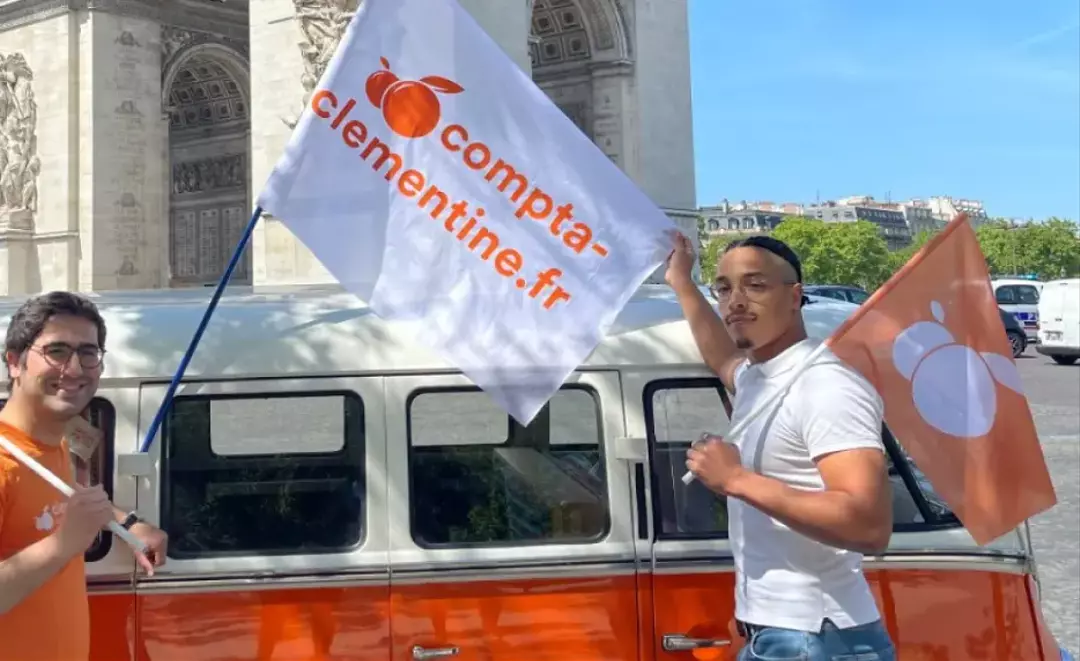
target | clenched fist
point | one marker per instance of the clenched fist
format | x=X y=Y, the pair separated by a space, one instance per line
x=85 y=514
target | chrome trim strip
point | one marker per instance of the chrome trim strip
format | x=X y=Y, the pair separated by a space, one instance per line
x=98 y=588
x=551 y=563
x=451 y=574
x=266 y=582
x=1010 y=564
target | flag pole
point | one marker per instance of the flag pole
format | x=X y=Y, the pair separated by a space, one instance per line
x=195 y=339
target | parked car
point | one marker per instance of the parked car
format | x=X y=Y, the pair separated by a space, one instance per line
x=845 y=293
x=1015 y=331
x=1020 y=296
x=1059 y=317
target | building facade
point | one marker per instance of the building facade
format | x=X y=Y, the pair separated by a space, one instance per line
x=136 y=134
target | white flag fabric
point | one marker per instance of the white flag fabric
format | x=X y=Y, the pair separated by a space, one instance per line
x=440 y=185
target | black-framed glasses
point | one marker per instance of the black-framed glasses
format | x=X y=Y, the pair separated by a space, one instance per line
x=58 y=354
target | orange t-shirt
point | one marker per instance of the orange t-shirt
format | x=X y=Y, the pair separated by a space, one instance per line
x=53 y=623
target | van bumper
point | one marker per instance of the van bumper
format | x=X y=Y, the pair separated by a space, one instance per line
x=1056 y=349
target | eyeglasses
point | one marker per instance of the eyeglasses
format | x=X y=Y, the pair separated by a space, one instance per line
x=753 y=289
x=58 y=354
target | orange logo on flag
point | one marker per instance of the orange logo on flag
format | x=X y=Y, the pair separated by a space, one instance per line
x=932 y=342
x=410 y=107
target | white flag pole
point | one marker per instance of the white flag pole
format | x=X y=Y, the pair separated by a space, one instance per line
x=741 y=425
x=62 y=487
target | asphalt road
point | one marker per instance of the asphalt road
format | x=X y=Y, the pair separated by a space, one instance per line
x=1054 y=396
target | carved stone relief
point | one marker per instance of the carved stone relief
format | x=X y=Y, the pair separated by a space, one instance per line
x=322 y=24
x=208 y=174
x=174 y=40
x=19 y=162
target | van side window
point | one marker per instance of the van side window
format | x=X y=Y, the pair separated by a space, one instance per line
x=94 y=466
x=263 y=474
x=477 y=477
x=677 y=412
x=1005 y=295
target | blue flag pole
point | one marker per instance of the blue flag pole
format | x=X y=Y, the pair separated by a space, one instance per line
x=160 y=416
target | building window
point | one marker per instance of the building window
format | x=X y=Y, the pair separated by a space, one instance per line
x=90 y=442
x=478 y=478
x=263 y=474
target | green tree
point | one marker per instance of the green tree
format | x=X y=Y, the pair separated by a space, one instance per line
x=838 y=253
x=1049 y=249
x=898 y=258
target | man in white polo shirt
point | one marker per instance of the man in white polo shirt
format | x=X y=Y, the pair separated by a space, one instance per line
x=807 y=483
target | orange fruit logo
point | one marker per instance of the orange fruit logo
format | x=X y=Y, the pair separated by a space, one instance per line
x=410 y=107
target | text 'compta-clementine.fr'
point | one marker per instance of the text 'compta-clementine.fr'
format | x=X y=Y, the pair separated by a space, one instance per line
x=411 y=109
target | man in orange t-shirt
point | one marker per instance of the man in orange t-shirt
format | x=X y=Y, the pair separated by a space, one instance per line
x=53 y=352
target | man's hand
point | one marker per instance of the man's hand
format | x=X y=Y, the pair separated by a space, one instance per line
x=680 y=263
x=156 y=543
x=715 y=463
x=85 y=514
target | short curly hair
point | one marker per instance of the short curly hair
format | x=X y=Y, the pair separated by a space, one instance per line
x=32 y=316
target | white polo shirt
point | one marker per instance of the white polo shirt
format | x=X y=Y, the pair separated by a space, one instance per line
x=785 y=579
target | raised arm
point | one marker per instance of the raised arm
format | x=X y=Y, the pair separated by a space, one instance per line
x=713 y=341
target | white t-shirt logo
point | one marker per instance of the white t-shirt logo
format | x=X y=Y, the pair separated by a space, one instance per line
x=953 y=386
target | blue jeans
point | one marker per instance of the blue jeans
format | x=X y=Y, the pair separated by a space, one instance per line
x=868 y=642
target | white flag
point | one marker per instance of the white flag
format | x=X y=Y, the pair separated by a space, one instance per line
x=439 y=184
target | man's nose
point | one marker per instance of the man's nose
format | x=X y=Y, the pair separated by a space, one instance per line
x=73 y=366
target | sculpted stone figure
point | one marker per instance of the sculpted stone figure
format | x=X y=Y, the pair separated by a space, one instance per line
x=19 y=162
x=322 y=23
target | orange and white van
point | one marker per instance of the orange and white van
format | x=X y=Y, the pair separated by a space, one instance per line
x=333 y=491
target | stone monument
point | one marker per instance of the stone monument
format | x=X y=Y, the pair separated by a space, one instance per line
x=135 y=134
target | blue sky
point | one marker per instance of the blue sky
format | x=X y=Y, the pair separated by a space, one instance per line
x=970 y=98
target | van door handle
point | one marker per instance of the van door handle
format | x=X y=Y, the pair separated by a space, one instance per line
x=679 y=643
x=419 y=653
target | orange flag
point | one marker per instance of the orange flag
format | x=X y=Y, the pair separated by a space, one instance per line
x=932 y=342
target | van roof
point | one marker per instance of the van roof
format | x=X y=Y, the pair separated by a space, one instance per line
x=312 y=330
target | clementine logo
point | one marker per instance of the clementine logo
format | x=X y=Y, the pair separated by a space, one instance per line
x=409 y=107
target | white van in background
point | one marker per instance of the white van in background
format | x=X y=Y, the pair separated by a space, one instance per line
x=1059 y=318
x=1020 y=297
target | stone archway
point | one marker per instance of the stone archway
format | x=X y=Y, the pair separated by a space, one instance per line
x=206 y=98
x=580 y=53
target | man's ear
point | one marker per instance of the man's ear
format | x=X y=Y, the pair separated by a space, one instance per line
x=14 y=366
x=797 y=295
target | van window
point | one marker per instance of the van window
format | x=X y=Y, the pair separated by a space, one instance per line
x=97 y=468
x=677 y=412
x=266 y=474
x=477 y=477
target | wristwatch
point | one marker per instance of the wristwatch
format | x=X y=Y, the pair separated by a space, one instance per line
x=130 y=520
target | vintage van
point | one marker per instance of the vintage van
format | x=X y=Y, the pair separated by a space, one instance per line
x=333 y=491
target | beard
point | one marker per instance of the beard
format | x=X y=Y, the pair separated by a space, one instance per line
x=743 y=343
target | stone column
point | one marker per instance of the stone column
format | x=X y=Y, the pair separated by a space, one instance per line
x=16 y=257
x=122 y=202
